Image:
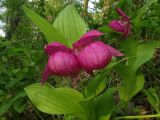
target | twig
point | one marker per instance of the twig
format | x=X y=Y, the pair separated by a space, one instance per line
x=138 y=117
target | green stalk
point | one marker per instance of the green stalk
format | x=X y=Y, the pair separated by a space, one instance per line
x=137 y=117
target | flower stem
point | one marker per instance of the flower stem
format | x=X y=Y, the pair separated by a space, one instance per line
x=137 y=117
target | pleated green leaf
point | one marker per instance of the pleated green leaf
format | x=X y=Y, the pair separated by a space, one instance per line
x=55 y=100
x=70 y=24
x=104 y=104
x=128 y=83
x=139 y=53
x=51 y=33
x=98 y=84
x=140 y=80
x=131 y=82
x=144 y=53
x=153 y=98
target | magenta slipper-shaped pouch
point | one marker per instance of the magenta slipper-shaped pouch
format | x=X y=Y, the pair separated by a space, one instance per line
x=94 y=55
x=62 y=61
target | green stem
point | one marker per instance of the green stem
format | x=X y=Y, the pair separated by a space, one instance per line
x=137 y=117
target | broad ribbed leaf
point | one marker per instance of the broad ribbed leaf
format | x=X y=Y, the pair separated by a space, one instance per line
x=19 y=106
x=70 y=24
x=98 y=84
x=128 y=83
x=144 y=53
x=99 y=107
x=55 y=100
x=138 y=53
x=104 y=104
x=51 y=33
x=131 y=82
x=139 y=85
x=130 y=50
x=153 y=98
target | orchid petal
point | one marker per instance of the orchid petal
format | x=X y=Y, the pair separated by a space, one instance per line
x=54 y=47
x=120 y=12
x=46 y=73
x=114 y=52
x=127 y=31
x=87 y=38
x=124 y=18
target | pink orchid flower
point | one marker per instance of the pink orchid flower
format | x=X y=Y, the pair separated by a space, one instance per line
x=62 y=61
x=88 y=53
x=123 y=25
x=93 y=54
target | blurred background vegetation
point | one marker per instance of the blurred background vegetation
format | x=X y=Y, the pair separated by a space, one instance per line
x=22 y=58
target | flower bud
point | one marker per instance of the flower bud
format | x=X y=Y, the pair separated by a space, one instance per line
x=118 y=25
x=123 y=25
